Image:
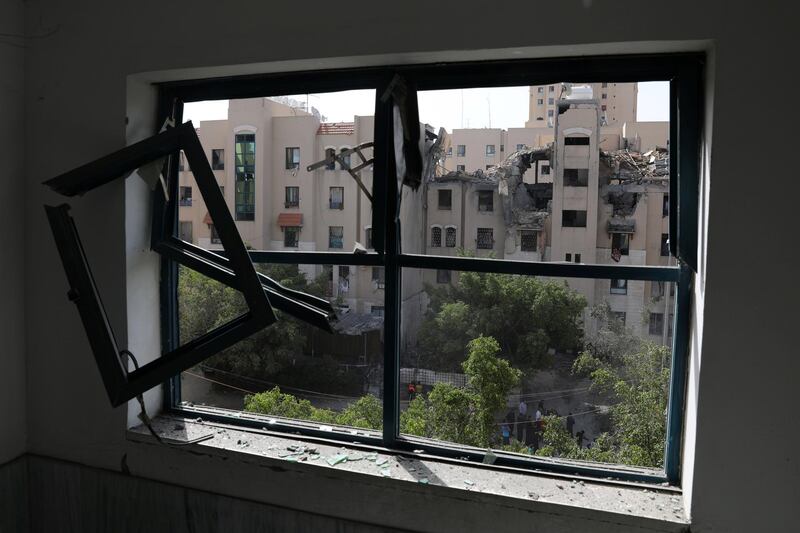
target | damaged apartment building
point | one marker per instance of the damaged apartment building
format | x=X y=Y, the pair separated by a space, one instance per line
x=581 y=191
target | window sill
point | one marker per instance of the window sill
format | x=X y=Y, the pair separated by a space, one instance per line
x=629 y=505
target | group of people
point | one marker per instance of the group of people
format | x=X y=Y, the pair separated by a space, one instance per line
x=530 y=428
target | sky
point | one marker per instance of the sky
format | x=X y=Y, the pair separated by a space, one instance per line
x=505 y=107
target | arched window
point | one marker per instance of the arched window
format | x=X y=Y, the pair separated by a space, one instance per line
x=436 y=237
x=450 y=237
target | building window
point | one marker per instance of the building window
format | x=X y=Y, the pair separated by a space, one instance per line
x=486 y=201
x=568 y=258
x=376 y=310
x=619 y=317
x=379 y=277
x=665 y=206
x=344 y=164
x=291 y=236
x=528 y=240
x=603 y=107
x=460 y=168
x=450 y=237
x=550 y=113
x=292 y=197
x=576 y=177
x=619 y=286
x=604 y=96
x=443 y=276
x=368 y=238
x=214 y=235
x=577 y=258
x=573 y=219
x=550 y=101
x=292 y=157
x=336 y=237
x=576 y=141
x=336 y=200
x=445 y=199
x=656 y=323
x=540 y=101
x=485 y=238
x=620 y=243
x=436 y=237
x=665 y=245
x=183 y=165
x=397 y=259
x=489 y=150
x=217 y=159
x=545 y=170
x=656 y=289
x=520 y=147
x=489 y=166
x=449 y=151
x=245 y=172
x=604 y=85
x=185 y=230
x=552 y=88
x=185 y=197
x=461 y=150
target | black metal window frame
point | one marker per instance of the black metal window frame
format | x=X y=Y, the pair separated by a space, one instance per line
x=245 y=176
x=684 y=72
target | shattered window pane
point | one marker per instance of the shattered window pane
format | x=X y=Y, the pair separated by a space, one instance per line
x=450 y=237
x=485 y=238
x=436 y=237
x=295 y=372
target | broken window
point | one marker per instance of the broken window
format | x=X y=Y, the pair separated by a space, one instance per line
x=486 y=201
x=185 y=198
x=576 y=177
x=185 y=232
x=520 y=147
x=489 y=150
x=436 y=237
x=245 y=166
x=445 y=199
x=450 y=237
x=619 y=286
x=336 y=198
x=620 y=243
x=335 y=237
x=218 y=159
x=292 y=157
x=528 y=240
x=527 y=203
x=664 y=244
x=571 y=218
x=292 y=197
x=291 y=236
x=485 y=240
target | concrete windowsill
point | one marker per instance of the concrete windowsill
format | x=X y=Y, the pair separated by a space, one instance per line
x=646 y=508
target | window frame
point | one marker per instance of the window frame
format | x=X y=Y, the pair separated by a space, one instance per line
x=683 y=71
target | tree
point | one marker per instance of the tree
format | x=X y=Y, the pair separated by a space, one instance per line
x=526 y=315
x=634 y=374
x=465 y=415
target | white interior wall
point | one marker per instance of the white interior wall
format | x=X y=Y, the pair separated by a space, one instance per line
x=12 y=212
x=744 y=464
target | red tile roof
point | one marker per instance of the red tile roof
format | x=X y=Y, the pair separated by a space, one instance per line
x=290 y=219
x=336 y=128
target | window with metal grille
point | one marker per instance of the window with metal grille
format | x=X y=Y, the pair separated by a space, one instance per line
x=291 y=236
x=436 y=237
x=450 y=237
x=485 y=239
x=528 y=240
